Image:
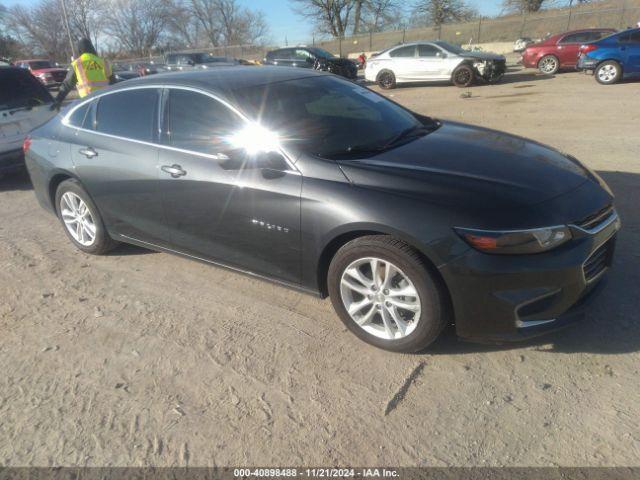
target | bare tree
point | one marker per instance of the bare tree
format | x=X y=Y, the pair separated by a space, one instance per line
x=382 y=14
x=136 y=25
x=84 y=18
x=40 y=29
x=523 y=6
x=437 y=12
x=329 y=16
x=182 y=24
x=226 y=22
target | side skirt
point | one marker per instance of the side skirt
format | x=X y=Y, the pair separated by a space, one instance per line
x=157 y=248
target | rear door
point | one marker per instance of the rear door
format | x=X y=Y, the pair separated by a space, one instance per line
x=220 y=206
x=629 y=45
x=569 y=46
x=405 y=62
x=116 y=160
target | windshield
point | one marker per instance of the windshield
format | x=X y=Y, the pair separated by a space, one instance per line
x=329 y=117
x=451 y=48
x=319 y=52
x=18 y=89
x=40 y=64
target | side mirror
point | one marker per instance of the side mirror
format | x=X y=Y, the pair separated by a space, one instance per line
x=240 y=159
x=310 y=60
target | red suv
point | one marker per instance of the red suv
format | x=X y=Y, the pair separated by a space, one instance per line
x=561 y=51
x=50 y=75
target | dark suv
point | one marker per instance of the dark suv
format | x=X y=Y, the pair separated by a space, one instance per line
x=311 y=57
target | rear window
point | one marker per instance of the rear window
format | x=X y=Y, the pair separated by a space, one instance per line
x=128 y=114
x=18 y=88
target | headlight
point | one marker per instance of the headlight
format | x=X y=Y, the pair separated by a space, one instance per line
x=515 y=242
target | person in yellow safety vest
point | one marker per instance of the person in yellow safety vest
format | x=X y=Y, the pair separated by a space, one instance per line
x=89 y=73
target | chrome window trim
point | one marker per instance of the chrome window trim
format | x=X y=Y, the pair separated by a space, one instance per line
x=243 y=117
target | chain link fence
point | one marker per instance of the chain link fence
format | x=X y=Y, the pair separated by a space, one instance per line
x=481 y=30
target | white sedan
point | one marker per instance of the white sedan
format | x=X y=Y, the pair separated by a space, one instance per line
x=433 y=62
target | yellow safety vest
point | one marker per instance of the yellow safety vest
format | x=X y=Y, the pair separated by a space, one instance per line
x=92 y=73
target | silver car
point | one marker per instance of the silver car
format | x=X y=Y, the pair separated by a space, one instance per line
x=434 y=62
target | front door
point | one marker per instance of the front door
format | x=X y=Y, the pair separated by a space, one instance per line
x=431 y=63
x=220 y=204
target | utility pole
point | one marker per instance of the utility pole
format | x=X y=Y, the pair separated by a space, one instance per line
x=66 y=24
x=570 y=12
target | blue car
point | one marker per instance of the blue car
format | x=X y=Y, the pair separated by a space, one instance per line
x=613 y=58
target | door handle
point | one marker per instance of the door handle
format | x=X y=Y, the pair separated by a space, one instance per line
x=174 y=170
x=88 y=152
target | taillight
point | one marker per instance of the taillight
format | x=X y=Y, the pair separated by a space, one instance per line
x=26 y=145
x=588 y=48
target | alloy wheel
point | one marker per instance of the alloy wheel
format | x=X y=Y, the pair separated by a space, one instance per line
x=380 y=298
x=607 y=73
x=548 y=65
x=463 y=77
x=77 y=219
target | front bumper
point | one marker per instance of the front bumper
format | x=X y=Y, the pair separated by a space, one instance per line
x=501 y=298
x=11 y=161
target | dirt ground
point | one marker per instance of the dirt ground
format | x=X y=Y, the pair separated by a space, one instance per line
x=143 y=358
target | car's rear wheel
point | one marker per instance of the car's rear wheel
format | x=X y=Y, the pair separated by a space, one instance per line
x=463 y=76
x=386 y=295
x=81 y=219
x=608 y=73
x=549 y=65
x=386 y=79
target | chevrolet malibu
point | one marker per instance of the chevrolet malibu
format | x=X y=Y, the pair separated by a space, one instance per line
x=408 y=223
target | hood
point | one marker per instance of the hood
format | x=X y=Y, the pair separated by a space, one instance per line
x=482 y=56
x=471 y=167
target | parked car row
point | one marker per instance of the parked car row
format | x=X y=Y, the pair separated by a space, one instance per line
x=610 y=55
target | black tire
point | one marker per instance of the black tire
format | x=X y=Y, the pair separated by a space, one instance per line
x=614 y=74
x=433 y=299
x=463 y=76
x=102 y=242
x=549 y=65
x=386 y=79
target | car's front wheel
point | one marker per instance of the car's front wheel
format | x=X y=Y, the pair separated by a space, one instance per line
x=608 y=73
x=385 y=293
x=81 y=219
x=463 y=76
x=549 y=65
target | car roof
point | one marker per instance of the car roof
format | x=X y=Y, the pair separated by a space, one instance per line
x=223 y=79
x=582 y=30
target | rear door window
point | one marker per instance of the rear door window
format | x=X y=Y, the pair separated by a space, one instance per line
x=128 y=114
x=576 y=38
x=79 y=116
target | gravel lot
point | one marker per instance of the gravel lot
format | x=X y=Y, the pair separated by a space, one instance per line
x=143 y=358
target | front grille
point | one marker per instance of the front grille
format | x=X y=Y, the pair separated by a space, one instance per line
x=59 y=76
x=599 y=261
x=595 y=219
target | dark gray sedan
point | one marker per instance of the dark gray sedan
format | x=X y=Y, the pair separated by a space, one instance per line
x=307 y=179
